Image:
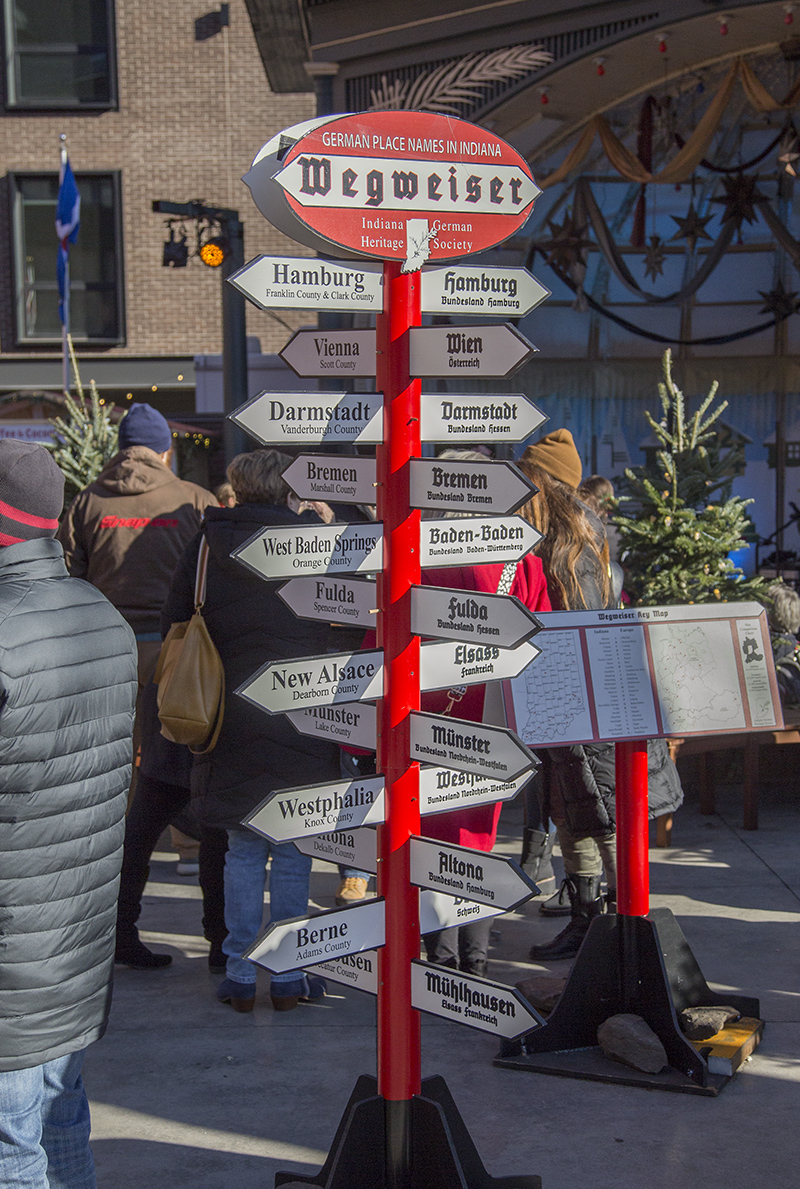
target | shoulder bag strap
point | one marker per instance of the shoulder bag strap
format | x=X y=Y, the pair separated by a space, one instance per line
x=200 y=578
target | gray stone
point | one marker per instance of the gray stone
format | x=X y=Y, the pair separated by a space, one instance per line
x=701 y=1023
x=542 y=991
x=627 y=1038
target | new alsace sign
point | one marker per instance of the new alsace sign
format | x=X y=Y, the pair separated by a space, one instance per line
x=313 y=417
x=409 y=186
x=315 y=681
x=297 y=283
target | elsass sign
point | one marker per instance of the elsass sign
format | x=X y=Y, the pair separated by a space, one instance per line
x=331 y=353
x=315 y=681
x=442 y=789
x=465 y=289
x=455 y=663
x=450 y=484
x=288 y=945
x=476 y=1002
x=466 y=350
x=300 y=283
x=289 y=814
x=333 y=477
x=357 y=849
x=479 y=417
x=311 y=549
x=475 y=541
x=333 y=600
x=354 y=723
x=468 y=615
x=312 y=417
x=474 y=874
x=468 y=746
x=402 y=185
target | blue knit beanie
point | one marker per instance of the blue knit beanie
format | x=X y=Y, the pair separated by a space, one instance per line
x=143 y=425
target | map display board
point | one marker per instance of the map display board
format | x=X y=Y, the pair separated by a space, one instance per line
x=648 y=672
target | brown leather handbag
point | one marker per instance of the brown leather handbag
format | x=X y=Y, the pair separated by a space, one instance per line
x=190 y=676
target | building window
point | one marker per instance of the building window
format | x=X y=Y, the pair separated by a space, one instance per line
x=95 y=260
x=59 y=55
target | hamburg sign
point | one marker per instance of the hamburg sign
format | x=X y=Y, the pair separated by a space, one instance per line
x=295 y=282
x=400 y=185
x=468 y=289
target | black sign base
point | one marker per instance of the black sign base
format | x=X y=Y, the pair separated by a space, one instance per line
x=441 y=1153
x=641 y=965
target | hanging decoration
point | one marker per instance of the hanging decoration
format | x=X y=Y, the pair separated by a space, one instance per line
x=740 y=199
x=691 y=227
x=779 y=301
x=654 y=257
x=454 y=85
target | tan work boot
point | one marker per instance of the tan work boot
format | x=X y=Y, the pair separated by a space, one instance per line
x=351 y=890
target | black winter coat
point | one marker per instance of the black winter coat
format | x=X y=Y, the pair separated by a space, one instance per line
x=256 y=752
x=67 y=693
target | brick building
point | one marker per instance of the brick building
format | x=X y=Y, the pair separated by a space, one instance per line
x=157 y=101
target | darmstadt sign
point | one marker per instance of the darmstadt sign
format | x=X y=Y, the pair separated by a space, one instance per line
x=289 y=814
x=468 y=746
x=480 y=417
x=313 y=417
x=450 y=484
x=333 y=600
x=467 y=350
x=468 y=615
x=351 y=722
x=475 y=541
x=331 y=353
x=315 y=681
x=311 y=549
x=297 y=282
x=343 y=479
x=409 y=186
x=466 y=289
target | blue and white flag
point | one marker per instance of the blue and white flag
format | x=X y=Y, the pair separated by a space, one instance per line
x=68 y=221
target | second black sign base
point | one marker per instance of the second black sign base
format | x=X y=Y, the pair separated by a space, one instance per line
x=442 y=1154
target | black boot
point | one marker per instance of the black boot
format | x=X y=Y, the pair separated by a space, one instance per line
x=610 y=899
x=587 y=903
x=535 y=861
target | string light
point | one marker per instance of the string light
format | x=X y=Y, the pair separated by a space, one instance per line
x=599 y=63
x=544 y=98
x=723 y=24
x=788 y=13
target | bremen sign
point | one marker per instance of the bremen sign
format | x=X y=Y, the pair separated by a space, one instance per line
x=288 y=945
x=311 y=549
x=297 y=282
x=333 y=600
x=468 y=746
x=492 y=418
x=468 y=289
x=315 y=681
x=453 y=663
x=353 y=722
x=468 y=615
x=467 y=350
x=331 y=353
x=447 y=484
x=407 y=185
x=476 y=1002
x=475 y=541
x=343 y=480
x=289 y=814
x=312 y=417
x=473 y=874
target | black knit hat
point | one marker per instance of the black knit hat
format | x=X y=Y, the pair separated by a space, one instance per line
x=31 y=492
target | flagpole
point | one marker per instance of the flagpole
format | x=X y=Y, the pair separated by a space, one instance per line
x=65 y=368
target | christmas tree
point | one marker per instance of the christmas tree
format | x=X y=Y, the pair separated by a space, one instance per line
x=675 y=545
x=85 y=440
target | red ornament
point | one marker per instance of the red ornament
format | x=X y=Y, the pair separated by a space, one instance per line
x=788 y=18
x=544 y=98
x=788 y=14
x=723 y=28
x=601 y=69
x=662 y=46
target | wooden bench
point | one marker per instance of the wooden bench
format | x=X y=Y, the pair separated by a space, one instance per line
x=704 y=747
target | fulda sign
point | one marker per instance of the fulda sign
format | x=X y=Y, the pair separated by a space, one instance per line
x=409 y=186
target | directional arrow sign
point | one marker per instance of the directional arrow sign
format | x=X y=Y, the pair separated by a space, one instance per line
x=466 y=289
x=275 y=417
x=442 y=789
x=438 y=910
x=289 y=814
x=300 y=283
x=357 y=970
x=332 y=477
x=315 y=681
x=473 y=874
x=449 y=484
x=357 y=849
x=467 y=615
x=462 y=350
x=475 y=540
x=476 y=1002
x=480 y=417
x=313 y=549
x=442 y=666
x=331 y=353
x=333 y=600
x=468 y=746
x=288 y=945
x=354 y=723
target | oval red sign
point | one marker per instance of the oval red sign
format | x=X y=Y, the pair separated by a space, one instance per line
x=410 y=186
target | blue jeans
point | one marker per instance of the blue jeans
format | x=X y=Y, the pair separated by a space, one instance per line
x=245 y=880
x=44 y=1127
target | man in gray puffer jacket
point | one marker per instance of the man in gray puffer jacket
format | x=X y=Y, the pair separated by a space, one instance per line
x=67 y=691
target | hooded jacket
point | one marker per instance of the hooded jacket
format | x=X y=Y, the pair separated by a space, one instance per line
x=67 y=689
x=126 y=531
x=250 y=625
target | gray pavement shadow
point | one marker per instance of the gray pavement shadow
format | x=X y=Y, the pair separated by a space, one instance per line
x=153 y=1163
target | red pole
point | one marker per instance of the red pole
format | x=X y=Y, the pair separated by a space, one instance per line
x=398 y=1023
x=633 y=872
